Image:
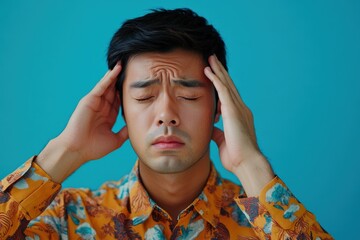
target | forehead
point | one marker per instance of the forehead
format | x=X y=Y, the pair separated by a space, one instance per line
x=179 y=63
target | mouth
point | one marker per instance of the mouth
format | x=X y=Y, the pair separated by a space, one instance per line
x=168 y=142
x=168 y=145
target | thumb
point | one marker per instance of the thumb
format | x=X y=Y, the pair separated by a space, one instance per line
x=218 y=136
x=122 y=135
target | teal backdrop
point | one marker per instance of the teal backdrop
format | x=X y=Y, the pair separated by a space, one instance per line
x=295 y=63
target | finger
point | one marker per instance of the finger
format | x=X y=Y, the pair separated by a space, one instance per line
x=116 y=104
x=108 y=80
x=122 y=135
x=223 y=92
x=216 y=68
x=115 y=108
x=227 y=80
x=110 y=94
x=218 y=136
x=224 y=72
x=219 y=70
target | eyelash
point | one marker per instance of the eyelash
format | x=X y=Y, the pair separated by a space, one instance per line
x=148 y=98
x=190 y=99
x=143 y=99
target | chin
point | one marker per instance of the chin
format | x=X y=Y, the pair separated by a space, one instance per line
x=168 y=165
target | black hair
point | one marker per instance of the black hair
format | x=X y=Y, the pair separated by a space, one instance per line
x=162 y=31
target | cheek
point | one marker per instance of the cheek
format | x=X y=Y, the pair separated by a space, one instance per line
x=138 y=130
x=198 y=120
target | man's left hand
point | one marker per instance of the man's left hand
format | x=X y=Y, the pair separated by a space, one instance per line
x=238 y=148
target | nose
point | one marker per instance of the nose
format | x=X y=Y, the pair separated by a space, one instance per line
x=167 y=112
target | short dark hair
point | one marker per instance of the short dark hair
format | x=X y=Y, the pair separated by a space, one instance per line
x=162 y=31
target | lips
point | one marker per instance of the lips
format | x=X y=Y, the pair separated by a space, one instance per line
x=168 y=142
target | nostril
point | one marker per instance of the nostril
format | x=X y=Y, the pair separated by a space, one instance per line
x=172 y=122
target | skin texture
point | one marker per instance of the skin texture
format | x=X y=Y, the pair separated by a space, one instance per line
x=169 y=108
x=165 y=108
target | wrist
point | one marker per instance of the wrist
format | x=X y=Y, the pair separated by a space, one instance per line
x=58 y=161
x=254 y=174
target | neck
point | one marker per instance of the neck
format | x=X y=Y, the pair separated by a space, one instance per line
x=174 y=192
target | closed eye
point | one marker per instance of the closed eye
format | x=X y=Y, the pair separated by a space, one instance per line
x=190 y=98
x=143 y=99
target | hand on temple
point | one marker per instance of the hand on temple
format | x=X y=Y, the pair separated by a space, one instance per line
x=88 y=134
x=238 y=148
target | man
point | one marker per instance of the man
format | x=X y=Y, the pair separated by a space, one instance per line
x=169 y=74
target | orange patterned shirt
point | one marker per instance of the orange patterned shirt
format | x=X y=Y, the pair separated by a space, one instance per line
x=32 y=207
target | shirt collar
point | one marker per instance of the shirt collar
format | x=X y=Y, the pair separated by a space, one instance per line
x=141 y=205
x=207 y=204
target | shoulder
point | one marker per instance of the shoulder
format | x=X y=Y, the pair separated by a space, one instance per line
x=86 y=196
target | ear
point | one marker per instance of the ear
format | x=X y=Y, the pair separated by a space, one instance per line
x=217 y=112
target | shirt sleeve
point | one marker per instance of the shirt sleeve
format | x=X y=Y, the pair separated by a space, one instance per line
x=277 y=214
x=24 y=194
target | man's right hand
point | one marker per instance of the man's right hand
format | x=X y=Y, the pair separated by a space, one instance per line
x=88 y=134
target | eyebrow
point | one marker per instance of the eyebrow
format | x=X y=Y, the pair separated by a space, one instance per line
x=181 y=82
x=189 y=83
x=144 y=84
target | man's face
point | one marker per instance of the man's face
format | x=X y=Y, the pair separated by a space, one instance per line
x=169 y=109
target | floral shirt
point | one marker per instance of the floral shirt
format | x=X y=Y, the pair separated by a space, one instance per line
x=31 y=207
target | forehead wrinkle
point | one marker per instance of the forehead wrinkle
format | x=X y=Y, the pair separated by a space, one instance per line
x=163 y=67
x=165 y=71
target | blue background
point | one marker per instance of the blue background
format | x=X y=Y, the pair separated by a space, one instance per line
x=295 y=63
